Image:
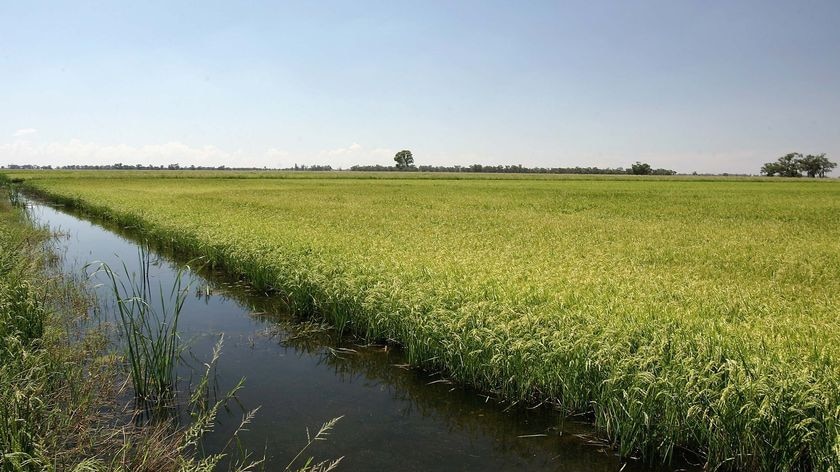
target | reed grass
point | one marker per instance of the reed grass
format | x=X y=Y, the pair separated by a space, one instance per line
x=678 y=314
x=148 y=320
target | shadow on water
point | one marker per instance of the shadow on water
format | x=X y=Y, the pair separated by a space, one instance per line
x=302 y=373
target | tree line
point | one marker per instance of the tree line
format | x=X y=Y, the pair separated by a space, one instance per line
x=515 y=169
x=405 y=162
x=794 y=164
x=121 y=166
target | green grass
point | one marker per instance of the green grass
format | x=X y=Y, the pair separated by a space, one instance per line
x=39 y=375
x=694 y=313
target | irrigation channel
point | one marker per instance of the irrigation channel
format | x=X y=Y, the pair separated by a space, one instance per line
x=395 y=417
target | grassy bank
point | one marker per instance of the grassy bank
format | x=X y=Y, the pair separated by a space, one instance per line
x=48 y=417
x=678 y=313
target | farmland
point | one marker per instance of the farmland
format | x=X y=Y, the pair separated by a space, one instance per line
x=678 y=313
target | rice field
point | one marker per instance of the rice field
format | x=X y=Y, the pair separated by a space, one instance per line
x=695 y=314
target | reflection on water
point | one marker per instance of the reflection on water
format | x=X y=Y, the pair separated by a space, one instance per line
x=302 y=375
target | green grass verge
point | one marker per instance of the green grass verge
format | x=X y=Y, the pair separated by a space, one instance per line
x=49 y=392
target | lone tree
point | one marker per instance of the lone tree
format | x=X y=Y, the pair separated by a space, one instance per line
x=793 y=164
x=640 y=168
x=404 y=159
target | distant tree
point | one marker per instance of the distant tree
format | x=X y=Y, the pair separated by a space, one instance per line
x=816 y=165
x=404 y=159
x=640 y=168
x=786 y=166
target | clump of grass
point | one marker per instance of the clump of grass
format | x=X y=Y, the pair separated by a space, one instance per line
x=310 y=465
x=15 y=198
x=203 y=410
x=148 y=320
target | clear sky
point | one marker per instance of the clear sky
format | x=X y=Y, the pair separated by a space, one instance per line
x=707 y=86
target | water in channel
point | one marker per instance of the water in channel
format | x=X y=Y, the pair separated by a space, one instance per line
x=395 y=418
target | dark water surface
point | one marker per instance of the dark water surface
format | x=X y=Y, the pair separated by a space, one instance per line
x=395 y=418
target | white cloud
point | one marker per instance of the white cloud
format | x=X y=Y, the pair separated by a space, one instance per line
x=353 y=148
x=278 y=154
x=355 y=154
x=84 y=152
x=22 y=133
x=75 y=151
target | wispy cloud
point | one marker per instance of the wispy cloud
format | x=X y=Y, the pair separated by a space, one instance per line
x=23 y=132
x=353 y=148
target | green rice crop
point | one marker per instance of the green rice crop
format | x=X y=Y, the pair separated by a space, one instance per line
x=678 y=313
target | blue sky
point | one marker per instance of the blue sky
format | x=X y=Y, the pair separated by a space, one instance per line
x=711 y=86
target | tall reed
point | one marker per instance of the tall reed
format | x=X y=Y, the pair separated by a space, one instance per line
x=148 y=321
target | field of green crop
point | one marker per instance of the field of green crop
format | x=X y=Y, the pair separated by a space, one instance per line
x=699 y=314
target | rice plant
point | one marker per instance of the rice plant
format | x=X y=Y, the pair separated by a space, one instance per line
x=696 y=314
